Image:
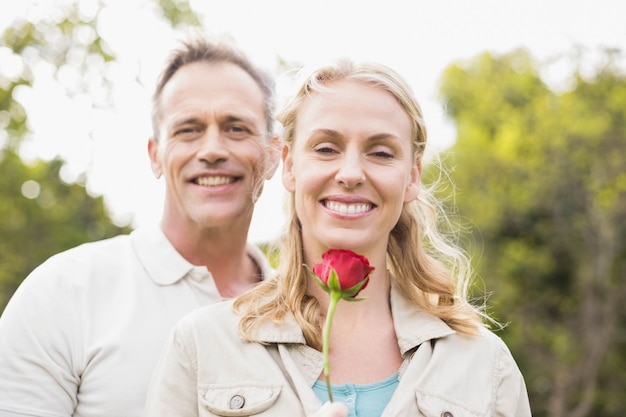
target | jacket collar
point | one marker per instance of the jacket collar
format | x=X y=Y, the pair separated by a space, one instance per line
x=413 y=326
x=287 y=331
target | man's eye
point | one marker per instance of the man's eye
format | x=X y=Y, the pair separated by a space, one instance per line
x=186 y=131
x=237 y=129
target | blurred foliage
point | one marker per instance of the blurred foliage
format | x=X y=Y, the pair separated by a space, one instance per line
x=179 y=14
x=67 y=41
x=41 y=216
x=271 y=250
x=540 y=178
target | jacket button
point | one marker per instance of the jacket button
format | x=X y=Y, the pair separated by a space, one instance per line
x=237 y=402
x=447 y=414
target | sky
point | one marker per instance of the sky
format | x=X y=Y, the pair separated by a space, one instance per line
x=417 y=38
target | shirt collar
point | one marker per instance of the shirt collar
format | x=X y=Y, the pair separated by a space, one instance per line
x=166 y=266
x=159 y=258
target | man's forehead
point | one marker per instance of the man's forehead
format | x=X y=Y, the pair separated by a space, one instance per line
x=216 y=75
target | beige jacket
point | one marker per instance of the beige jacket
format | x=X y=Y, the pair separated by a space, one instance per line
x=207 y=370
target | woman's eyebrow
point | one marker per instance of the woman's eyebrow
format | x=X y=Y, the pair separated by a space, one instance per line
x=335 y=134
x=324 y=131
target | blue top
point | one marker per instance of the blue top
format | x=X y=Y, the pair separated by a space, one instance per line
x=366 y=400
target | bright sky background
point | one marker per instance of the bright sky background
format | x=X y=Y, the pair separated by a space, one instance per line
x=418 y=38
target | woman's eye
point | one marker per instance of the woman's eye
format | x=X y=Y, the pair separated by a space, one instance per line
x=325 y=150
x=382 y=154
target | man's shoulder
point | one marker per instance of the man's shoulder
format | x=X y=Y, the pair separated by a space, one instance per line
x=107 y=248
x=84 y=260
x=83 y=271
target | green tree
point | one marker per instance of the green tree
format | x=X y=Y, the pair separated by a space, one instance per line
x=540 y=177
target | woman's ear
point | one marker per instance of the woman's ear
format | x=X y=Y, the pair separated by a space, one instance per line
x=413 y=186
x=155 y=161
x=289 y=181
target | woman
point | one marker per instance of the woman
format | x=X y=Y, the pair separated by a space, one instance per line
x=354 y=138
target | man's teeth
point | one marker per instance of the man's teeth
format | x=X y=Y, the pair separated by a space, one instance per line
x=348 y=208
x=214 y=181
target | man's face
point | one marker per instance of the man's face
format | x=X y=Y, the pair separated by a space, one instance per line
x=212 y=146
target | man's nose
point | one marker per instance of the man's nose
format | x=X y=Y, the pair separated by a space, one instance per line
x=212 y=146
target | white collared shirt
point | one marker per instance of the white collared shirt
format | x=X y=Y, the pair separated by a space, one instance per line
x=82 y=334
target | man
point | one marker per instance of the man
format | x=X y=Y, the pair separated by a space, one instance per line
x=82 y=334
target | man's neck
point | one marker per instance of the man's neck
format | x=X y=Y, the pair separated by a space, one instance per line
x=223 y=252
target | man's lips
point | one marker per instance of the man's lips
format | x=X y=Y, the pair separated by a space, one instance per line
x=214 y=180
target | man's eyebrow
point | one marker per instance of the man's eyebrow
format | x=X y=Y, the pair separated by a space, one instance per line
x=230 y=118
x=187 y=120
x=227 y=118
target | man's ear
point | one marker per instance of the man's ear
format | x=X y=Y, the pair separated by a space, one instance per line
x=155 y=161
x=273 y=157
x=289 y=181
x=413 y=186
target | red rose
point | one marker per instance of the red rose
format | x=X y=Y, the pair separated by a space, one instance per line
x=351 y=270
x=342 y=274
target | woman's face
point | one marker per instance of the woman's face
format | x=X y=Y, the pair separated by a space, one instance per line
x=351 y=168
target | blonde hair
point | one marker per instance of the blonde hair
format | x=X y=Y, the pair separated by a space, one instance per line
x=427 y=267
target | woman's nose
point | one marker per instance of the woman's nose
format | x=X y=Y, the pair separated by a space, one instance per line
x=350 y=173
